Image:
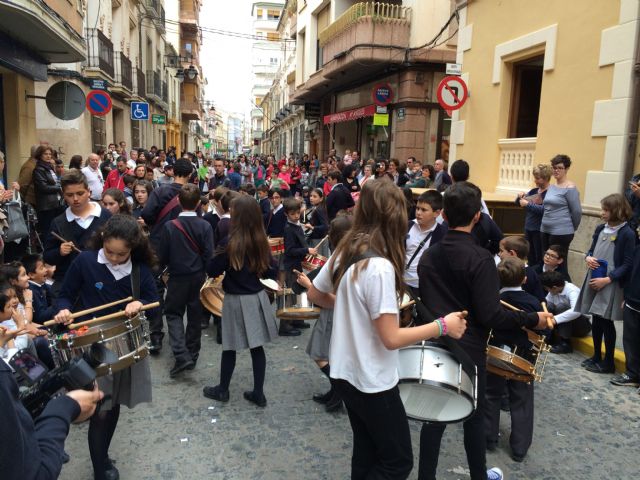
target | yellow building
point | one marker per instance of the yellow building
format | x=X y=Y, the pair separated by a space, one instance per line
x=547 y=78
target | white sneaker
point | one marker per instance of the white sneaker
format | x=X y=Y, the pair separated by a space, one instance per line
x=494 y=474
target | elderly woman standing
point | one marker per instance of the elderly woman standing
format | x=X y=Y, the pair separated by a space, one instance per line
x=562 y=209
x=532 y=202
x=47 y=187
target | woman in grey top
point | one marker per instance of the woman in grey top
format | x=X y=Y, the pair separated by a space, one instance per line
x=562 y=209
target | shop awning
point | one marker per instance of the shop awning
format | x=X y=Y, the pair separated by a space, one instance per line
x=349 y=115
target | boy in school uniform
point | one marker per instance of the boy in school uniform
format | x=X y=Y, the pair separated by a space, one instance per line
x=75 y=225
x=191 y=240
x=44 y=307
x=423 y=232
x=511 y=271
x=562 y=297
x=552 y=260
x=263 y=201
x=276 y=219
x=295 y=249
x=517 y=246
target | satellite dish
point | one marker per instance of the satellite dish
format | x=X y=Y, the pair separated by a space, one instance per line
x=65 y=100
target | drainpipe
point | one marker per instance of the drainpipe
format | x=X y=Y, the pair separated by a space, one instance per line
x=634 y=122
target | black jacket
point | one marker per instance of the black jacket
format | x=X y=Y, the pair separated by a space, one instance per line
x=632 y=290
x=178 y=253
x=457 y=274
x=624 y=245
x=525 y=302
x=295 y=247
x=239 y=282
x=320 y=222
x=152 y=209
x=44 y=307
x=48 y=193
x=72 y=232
x=533 y=285
x=338 y=199
x=29 y=449
x=265 y=208
x=487 y=234
x=275 y=224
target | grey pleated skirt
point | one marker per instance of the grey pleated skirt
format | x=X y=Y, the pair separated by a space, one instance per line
x=128 y=387
x=318 y=346
x=248 y=321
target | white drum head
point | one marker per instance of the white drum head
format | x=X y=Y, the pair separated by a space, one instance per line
x=270 y=284
x=429 y=403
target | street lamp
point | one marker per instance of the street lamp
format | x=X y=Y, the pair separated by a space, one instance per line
x=191 y=72
x=180 y=75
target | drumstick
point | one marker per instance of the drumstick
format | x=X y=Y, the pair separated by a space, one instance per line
x=48 y=323
x=64 y=241
x=550 y=322
x=321 y=241
x=509 y=306
x=110 y=316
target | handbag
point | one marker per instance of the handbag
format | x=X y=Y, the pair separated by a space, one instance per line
x=17 y=224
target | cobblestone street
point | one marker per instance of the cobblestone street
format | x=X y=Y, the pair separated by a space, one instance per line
x=585 y=428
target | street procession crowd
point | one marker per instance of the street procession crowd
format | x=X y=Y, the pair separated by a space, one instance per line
x=382 y=254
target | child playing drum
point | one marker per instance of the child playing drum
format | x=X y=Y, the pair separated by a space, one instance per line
x=117 y=265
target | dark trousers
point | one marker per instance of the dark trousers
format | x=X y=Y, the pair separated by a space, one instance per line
x=631 y=341
x=474 y=437
x=563 y=240
x=183 y=292
x=535 y=247
x=580 y=327
x=520 y=406
x=381 y=440
x=155 y=321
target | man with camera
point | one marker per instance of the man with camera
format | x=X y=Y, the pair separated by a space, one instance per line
x=33 y=448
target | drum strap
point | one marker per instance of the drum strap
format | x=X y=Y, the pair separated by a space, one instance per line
x=422 y=244
x=194 y=245
x=353 y=260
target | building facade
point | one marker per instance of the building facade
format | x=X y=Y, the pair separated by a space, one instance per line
x=559 y=80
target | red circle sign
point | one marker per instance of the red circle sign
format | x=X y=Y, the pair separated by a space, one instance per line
x=452 y=92
x=99 y=102
x=382 y=94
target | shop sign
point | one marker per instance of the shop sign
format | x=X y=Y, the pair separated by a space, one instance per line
x=158 y=119
x=97 y=84
x=349 y=115
x=381 y=119
x=382 y=94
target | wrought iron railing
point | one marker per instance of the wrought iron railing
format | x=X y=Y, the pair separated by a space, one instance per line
x=139 y=87
x=165 y=92
x=377 y=11
x=100 y=51
x=123 y=70
x=154 y=86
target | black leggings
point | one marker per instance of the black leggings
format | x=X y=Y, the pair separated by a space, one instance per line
x=603 y=327
x=102 y=426
x=258 y=361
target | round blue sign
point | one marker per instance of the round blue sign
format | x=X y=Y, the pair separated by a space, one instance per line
x=382 y=94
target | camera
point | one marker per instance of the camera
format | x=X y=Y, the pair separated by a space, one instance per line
x=39 y=385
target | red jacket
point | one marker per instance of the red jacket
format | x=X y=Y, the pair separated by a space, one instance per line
x=115 y=179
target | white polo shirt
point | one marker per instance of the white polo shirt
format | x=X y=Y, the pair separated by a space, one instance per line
x=95 y=181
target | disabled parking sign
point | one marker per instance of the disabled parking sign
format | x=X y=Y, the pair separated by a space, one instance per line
x=139 y=111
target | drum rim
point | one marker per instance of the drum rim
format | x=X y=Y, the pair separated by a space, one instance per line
x=501 y=354
x=125 y=362
x=78 y=341
x=500 y=372
x=446 y=386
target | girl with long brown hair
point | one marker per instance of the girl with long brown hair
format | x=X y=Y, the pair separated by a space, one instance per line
x=247 y=316
x=362 y=282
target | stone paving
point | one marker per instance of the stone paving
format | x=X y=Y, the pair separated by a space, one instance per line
x=585 y=428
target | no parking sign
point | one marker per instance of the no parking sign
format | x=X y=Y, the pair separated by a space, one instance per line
x=99 y=102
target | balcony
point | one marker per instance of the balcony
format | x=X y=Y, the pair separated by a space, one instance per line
x=154 y=86
x=165 y=92
x=100 y=52
x=190 y=107
x=139 y=84
x=341 y=63
x=517 y=157
x=123 y=71
x=189 y=14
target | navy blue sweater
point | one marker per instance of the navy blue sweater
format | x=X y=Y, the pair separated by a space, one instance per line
x=275 y=224
x=533 y=217
x=625 y=243
x=632 y=290
x=239 y=282
x=320 y=221
x=178 y=253
x=72 y=232
x=295 y=247
x=152 y=209
x=29 y=449
x=44 y=307
x=94 y=285
x=533 y=285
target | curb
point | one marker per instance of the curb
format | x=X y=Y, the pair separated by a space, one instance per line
x=585 y=345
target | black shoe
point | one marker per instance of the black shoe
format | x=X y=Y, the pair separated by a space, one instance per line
x=601 y=367
x=562 y=347
x=194 y=359
x=289 y=332
x=334 y=404
x=492 y=446
x=219 y=335
x=625 y=380
x=110 y=471
x=181 y=367
x=517 y=457
x=65 y=457
x=253 y=398
x=323 y=398
x=216 y=393
x=300 y=324
x=588 y=362
x=155 y=345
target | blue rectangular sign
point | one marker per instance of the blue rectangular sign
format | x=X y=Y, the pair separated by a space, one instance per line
x=139 y=111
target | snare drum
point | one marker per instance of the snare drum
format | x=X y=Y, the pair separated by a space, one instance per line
x=433 y=386
x=124 y=337
x=311 y=262
x=295 y=307
x=277 y=246
x=271 y=287
x=212 y=295
x=407 y=307
x=524 y=363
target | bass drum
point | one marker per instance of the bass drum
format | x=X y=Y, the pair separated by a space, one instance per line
x=433 y=386
x=212 y=295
